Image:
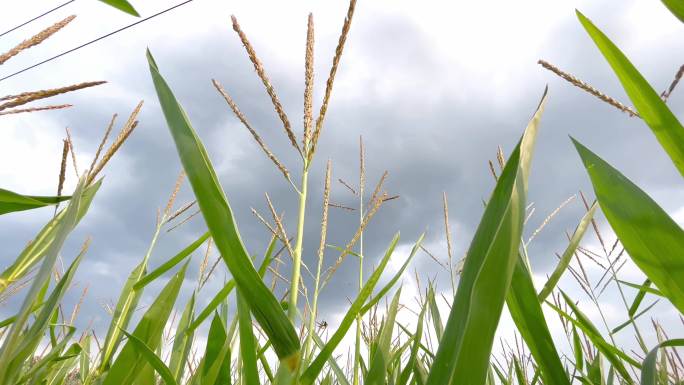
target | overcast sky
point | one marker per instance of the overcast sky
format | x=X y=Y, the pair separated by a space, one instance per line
x=433 y=88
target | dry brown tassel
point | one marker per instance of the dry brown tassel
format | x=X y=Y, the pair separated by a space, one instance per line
x=678 y=76
x=125 y=132
x=588 y=88
x=62 y=171
x=36 y=39
x=34 y=109
x=259 y=67
x=103 y=142
x=308 y=82
x=251 y=130
x=28 y=97
x=331 y=78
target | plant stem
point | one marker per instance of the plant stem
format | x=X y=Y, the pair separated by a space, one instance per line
x=357 y=345
x=297 y=257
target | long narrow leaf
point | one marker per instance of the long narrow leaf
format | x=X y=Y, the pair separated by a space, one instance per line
x=529 y=318
x=123 y=6
x=248 y=350
x=653 y=240
x=649 y=370
x=11 y=201
x=469 y=333
x=171 y=263
x=128 y=364
x=152 y=359
x=221 y=223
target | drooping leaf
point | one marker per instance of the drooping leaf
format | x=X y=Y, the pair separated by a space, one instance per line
x=11 y=201
x=13 y=343
x=653 y=240
x=39 y=246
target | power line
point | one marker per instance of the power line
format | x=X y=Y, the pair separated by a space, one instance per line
x=36 y=18
x=96 y=39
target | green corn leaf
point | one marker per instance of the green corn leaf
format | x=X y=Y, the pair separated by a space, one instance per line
x=377 y=370
x=221 y=223
x=264 y=360
x=215 y=368
x=649 y=369
x=127 y=366
x=676 y=7
x=171 y=263
x=314 y=369
x=125 y=306
x=11 y=201
x=653 y=240
x=639 y=298
x=12 y=340
x=567 y=254
x=595 y=371
x=228 y=288
x=648 y=103
x=434 y=313
x=422 y=347
x=528 y=316
x=152 y=359
x=182 y=341
x=54 y=358
x=211 y=307
x=33 y=336
x=248 y=350
x=39 y=246
x=577 y=349
x=84 y=360
x=385 y=289
x=123 y=6
x=415 y=346
x=522 y=380
x=468 y=336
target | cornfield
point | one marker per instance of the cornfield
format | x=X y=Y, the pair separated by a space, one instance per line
x=255 y=336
